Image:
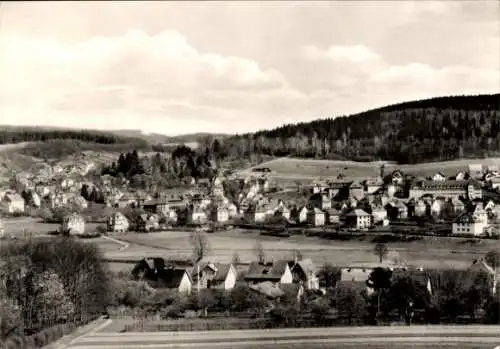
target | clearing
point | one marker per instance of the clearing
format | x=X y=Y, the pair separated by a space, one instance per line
x=294 y=169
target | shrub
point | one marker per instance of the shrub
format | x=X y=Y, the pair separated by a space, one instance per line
x=40 y=339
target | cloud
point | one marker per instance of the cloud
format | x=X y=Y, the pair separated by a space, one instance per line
x=356 y=54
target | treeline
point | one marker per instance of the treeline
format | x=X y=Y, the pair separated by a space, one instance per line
x=47 y=283
x=428 y=130
x=60 y=148
x=33 y=134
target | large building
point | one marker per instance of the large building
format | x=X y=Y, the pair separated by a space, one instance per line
x=468 y=224
x=446 y=189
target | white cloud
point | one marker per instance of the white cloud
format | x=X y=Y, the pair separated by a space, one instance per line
x=356 y=53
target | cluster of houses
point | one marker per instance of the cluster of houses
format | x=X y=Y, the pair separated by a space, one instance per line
x=378 y=201
x=276 y=279
x=341 y=202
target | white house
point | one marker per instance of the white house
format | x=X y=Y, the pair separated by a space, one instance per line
x=467 y=224
x=359 y=219
x=73 y=224
x=215 y=275
x=439 y=177
x=13 y=202
x=276 y=272
x=117 y=222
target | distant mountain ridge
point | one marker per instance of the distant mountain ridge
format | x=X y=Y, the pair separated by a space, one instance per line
x=16 y=134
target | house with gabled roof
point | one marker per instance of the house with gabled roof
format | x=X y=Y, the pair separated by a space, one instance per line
x=277 y=272
x=316 y=217
x=333 y=215
x=358 y=219
x=197 y=215
x=214 y=275
x=439 y=177
x=321 y=201
x=13 y=202
x=304 y=272
x=468 y=224
x=117 y=222
x=373 y=185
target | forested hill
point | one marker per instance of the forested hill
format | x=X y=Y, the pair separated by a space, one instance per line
x=18 y=134
x=441 y=128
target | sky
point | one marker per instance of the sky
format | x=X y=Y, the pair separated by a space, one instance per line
x=235 y=67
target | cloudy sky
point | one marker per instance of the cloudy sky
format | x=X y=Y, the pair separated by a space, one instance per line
x=173 y=68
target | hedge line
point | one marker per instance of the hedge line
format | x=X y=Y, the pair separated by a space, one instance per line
x=40 y=339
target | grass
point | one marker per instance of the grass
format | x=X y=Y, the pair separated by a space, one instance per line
x=306 y=169
x=428 y=252
x=18 y=226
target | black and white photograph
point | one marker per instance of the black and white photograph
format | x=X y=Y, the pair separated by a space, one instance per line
x=250 y=174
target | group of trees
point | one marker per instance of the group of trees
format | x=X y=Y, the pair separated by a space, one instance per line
x=50 y=281
x=434 y=129
x=164 y=169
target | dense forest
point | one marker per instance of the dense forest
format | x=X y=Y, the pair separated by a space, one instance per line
x=10 y=134
x=435 y=129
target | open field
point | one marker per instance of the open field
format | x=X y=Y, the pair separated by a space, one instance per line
x=334 y=337
x=429 y=252
x=19 y=226
x=307 y=169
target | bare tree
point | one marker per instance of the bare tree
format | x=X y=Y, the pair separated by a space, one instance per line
x=381 y=251
x=259 y=252
x=199 y=245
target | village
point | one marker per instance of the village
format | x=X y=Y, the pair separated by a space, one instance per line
x=465 y=205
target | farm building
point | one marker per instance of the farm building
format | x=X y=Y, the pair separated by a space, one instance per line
x=73 y=224
x=117 y=222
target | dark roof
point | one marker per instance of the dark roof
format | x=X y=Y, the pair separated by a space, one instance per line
x=339 y=184
x=357 y=212
x=171 y=278
x=445 y=185
x=266 y=271
x=222 y=271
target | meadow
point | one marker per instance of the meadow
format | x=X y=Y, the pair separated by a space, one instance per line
x=293 y=169
x=429 y=252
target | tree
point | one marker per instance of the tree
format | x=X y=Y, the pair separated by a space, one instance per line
x=11 y=321
x=199 y=245
x=329 y=275
x=205 y=300
x=379 y=280
x=350 y=303
x=297 y=255
x=381 y=251
x=259 y=252
x=493 y=259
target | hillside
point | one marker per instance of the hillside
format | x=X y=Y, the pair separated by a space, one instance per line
x=437 y=129
x=18 y=134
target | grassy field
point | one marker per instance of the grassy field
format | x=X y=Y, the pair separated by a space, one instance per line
x=21 y=225
x=306 y=169
x=429 y=252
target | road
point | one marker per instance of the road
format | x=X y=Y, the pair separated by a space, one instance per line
x=464 y=337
